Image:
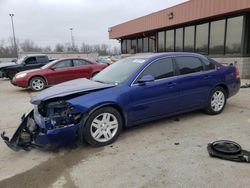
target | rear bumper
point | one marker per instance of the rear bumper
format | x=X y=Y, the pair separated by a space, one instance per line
x=235 y=87
x=25 y=138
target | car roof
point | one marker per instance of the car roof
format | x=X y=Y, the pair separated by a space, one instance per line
x=167 y=54
x=31 y=55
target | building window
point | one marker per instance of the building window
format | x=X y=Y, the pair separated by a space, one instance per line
x=179 y=40
x=145 y=44
x=234 y=35
x=161 y=41
x=170 y=40
x=134 y=46
x=139 y=47
x=151 y=46
x=124 y=46
x=189 y=39
x=217 y=37
x=128 y=46
x=202 y=38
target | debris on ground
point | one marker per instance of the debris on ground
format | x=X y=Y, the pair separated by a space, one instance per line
x=246 y=85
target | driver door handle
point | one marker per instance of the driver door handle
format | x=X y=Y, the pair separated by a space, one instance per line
x=171 y=84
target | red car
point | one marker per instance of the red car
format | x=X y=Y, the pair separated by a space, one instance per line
x=56 y=72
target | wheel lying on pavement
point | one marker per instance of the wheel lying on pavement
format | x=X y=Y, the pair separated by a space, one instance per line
x=102 y=127
x=217 y=101
x=37 y=84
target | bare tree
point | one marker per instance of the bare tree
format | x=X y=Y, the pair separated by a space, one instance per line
x=29 y=46
x=59 y=48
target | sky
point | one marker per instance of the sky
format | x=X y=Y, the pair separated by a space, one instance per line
x=48 y=22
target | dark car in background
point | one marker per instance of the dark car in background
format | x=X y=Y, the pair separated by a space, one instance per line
x=25 y=63
x=56 y=72
x=129 y=92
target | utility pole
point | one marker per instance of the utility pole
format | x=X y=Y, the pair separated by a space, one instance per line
x=72 y=39
x=14 y=37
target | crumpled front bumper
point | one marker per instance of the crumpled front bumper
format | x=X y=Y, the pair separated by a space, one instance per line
x=25 y=139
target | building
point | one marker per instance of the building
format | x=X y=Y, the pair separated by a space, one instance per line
x=217 y=28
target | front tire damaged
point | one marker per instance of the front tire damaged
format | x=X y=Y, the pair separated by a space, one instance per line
x=25 y=135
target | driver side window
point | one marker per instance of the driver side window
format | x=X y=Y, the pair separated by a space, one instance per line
x=63 y=64
x=159 y=69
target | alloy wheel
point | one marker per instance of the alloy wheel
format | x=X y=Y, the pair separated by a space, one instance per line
x=218 y=101
x=37 y=84
x=104 y=127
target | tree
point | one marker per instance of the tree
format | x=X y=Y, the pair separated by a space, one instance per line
x=29 y=46
x=59 y=48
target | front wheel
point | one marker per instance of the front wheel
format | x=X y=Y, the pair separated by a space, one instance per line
x=102 y=127
x=37 y=84
x=217 y=101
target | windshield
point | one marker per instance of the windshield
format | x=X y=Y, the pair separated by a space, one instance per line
x=20 y=61
x=120 y=71
x=48 y=65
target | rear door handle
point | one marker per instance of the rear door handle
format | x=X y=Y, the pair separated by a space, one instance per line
x=171 y=84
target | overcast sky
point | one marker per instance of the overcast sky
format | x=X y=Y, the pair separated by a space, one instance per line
x=47 y=22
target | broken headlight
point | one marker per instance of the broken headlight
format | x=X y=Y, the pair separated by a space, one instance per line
x=61 y=114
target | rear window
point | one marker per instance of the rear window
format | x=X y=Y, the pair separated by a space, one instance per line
x=188 y=65
x=42 y=59
x=208 y=64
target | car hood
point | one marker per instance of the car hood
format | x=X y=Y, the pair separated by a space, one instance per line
x=28 y=71
x=69 y=88
x=5 y=65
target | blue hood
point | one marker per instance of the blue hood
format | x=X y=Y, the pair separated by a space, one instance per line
x=68 y=88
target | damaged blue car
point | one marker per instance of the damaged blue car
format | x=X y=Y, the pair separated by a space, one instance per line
x=131 y=91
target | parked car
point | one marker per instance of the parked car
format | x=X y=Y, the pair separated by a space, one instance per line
x=25 y=63
x=129 y=92
x=56 y=72
x=103 y=60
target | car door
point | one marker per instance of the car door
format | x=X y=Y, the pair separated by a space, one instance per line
x=194 y=82
x=82 y=69
x=60 y=72
x=157 y=98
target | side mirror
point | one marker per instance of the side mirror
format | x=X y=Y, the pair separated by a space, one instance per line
x=14 y=60
x=52 y=68
x=145 y=79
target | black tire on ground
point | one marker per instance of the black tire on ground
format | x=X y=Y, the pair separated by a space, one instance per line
x=88 y=130
x=37 y=84
x=215 y=109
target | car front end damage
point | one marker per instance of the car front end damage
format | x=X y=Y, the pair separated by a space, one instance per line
x=49 y=125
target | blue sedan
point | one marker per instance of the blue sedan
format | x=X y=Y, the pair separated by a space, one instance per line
x=131 y=91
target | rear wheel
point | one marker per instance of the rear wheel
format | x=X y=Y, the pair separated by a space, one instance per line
x=217 y=101
x=102 y=127
x=37 y=84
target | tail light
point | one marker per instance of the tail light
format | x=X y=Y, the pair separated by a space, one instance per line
x=237 y=72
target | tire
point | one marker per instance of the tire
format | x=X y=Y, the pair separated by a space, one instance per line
x=217 y=101
x=102 y=127
x=37 y=84
x=11 y=74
